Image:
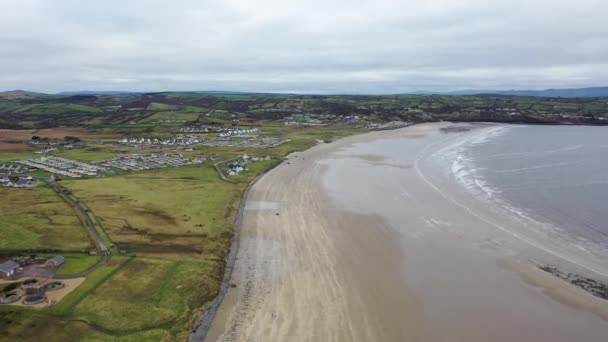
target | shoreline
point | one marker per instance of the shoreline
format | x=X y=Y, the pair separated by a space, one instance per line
x=208 y=311
x=552 y=286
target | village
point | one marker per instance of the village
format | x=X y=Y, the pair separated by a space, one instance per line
x=12 y=176
x=258 y=142
x=177 y=141
x=16 y=181
x=231 y=132
x=321 y=119
x=62 y=166
x=148 y=161
x=201 y=128
x=237 y=165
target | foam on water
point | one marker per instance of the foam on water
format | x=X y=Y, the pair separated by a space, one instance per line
x=463 y=168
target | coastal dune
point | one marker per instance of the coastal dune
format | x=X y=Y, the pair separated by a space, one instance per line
x=342 y=243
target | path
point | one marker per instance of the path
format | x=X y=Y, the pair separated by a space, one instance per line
x=82 y=213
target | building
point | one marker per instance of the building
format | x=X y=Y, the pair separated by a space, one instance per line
x=5 y=180
x=24 y=182
x=8 y=268
x=56 y=261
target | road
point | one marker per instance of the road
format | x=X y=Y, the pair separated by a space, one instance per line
x=82 y=213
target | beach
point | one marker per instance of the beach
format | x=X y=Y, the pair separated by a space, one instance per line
x=365 y=239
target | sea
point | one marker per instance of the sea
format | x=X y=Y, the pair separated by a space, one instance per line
x=545 y=186
x=553 y=175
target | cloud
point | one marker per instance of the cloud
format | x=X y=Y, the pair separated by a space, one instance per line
x=363 y=46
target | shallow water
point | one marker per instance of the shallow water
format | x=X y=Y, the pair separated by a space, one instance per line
x=463 y=234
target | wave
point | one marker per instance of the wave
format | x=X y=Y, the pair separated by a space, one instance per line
x=536 y=167
x=534 y=153
x=464 y=170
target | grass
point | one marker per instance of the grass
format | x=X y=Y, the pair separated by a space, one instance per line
x=170 y=210
x=171 y=116
x=8 y=156
x=38 y=218
x=161 y=106
x=40 y=173
x=53 y=108
x=76 y=263
x=158 y=292
x=87 y=153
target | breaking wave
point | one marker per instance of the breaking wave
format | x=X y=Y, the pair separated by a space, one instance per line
x=463 y=168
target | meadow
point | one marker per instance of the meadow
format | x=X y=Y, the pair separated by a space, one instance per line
x=164 y=211
x=38 y=219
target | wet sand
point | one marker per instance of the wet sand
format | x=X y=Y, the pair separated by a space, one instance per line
x=344 y=244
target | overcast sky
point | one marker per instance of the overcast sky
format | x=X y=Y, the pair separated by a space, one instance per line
x=308 y=46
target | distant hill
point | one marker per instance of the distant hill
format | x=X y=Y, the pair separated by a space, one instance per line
x=134 y=93
x=564 y=93
x=568 y=93
x=20 y=95
x=95 y=92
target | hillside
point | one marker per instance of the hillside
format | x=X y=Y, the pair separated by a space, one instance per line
x=31 y=110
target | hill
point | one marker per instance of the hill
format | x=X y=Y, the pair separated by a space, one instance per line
x=567 y=93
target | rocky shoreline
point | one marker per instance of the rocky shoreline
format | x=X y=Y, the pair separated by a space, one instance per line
x=590 y=285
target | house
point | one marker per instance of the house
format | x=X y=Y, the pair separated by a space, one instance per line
x=5 y=180
x=56 y=261
x=8 y=268
x=23 y=182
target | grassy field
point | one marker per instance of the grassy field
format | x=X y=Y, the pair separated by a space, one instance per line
x=175 y=226
x=159 y=292
x=38 y=218
x=90 y=153
x=166 y=211
x=76 y=263
x=171 y=116
x=53 y=133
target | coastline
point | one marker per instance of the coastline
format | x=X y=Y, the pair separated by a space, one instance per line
x=208 y=311
x=277 y=261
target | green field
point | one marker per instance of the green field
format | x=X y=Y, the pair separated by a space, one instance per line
x=171 y=116
x=37 y=218
x=171 y=210
x=76 y=263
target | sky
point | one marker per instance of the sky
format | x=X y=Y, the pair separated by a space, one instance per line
x=302 y=46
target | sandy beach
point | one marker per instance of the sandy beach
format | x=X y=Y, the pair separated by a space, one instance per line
x=345 y=243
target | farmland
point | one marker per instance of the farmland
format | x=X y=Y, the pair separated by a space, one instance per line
x=148 y=111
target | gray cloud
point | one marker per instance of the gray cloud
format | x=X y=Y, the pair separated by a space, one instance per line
x=363 y=46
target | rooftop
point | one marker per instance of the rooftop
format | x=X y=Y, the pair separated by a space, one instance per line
x=8 y=266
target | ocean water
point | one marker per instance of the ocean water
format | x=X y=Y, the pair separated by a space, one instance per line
x=552 y=174
x=539 y=192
